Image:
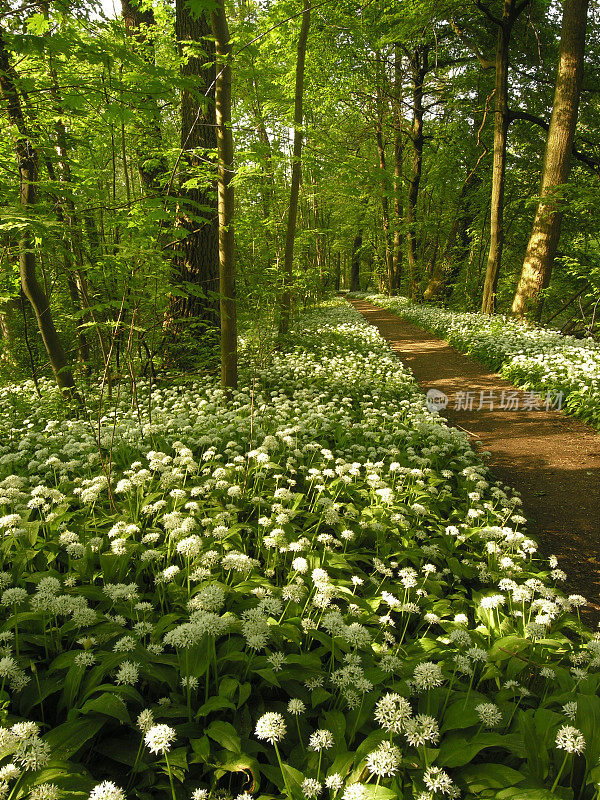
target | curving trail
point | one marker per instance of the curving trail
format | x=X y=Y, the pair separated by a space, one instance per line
x=552 y=459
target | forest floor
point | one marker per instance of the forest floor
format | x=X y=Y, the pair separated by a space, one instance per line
x=551 y=459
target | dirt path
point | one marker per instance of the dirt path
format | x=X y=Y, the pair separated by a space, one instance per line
x=553 y=460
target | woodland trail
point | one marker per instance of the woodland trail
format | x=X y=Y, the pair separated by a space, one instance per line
x=551 y=459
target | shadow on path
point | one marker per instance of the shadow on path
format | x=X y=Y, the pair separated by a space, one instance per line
x=553 y=460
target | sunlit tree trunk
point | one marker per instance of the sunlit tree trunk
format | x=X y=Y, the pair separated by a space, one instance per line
x=226 y=198
x=545 y=234
x=510 y=13
x=288 y=259
x=385 y=210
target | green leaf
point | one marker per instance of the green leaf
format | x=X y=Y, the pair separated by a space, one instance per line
x=67 y=739
x=456 y=750
x=244 y=693
x=535 y=749
x=373 y=792
x=341 y=763
x=108 y=704
x=73 y=781
x=122 y=749
x=458 y=717
x=201 y=747
x=72 y=683
x=490 y=776
x=318 y=696
x=267 y=675
x=335 y=721
x=224 y=734
x=214 y=703
x=532 y=794
x=293 y=778
x=243 y=763
x=588 y=722
x=227 y=687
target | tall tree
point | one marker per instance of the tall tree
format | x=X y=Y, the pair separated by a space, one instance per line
x=290 y=234
x=545 y=233
x=385 y=188
x=510 y=14
x=355 y=262
x=220 y=30
x=419 y=60
x=196 y=260
x=398 y=166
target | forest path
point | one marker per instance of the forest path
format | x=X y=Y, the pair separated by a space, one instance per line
x=552 y=459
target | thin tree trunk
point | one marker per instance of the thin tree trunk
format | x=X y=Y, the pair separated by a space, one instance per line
x=226 y=199
x=545 y=233
x=355 y=263
x=420 y=67
x=27 y=160
x=288 y=259
x=501 y=122
x=385 y=210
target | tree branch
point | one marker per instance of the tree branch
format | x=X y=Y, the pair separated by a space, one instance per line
x=471 y=45
x=520 y=8
x=488 y=13
x=586 y=159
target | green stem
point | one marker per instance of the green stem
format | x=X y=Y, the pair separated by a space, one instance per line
x=287 y=788
x=299 y=734
x=170 y=776
x=376 y=787
x=135 y=763
x=560 y=772
x=16 y=633
x=14 y=789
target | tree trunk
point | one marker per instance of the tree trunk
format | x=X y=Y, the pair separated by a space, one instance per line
x=545 y=233
x=355 y=263
x=398 y=183
x=420 y=67
x=387 y=234
x=196 y=257
x=501 y=122
x=288 y=260
x=226 y=198
x=27 y=161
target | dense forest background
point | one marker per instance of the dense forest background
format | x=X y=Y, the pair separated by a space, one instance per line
x=418 y=147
